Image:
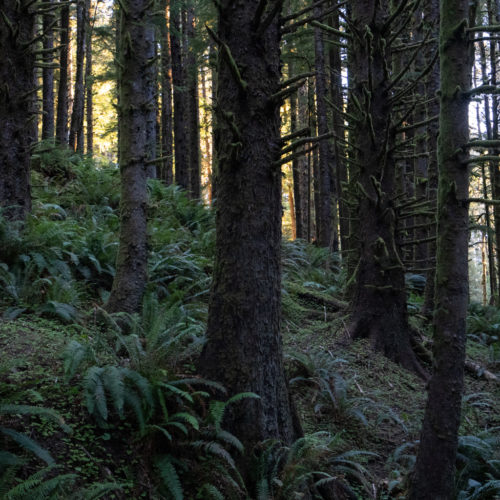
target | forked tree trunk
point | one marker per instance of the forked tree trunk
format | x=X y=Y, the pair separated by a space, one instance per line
x=62 y=93
x=17 y=107
x=243 y=349
x=435 y=467
x=136 y=86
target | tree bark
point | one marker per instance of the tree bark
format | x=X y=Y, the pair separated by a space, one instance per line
x=17 y=107
x=89 y=82
x=167 y=146
x=62 y=93
x=193 y=107
x=48 y=77
x=435 y=467
x=244 y=348
x=181 y=138
x=431 y=18
x=136 y=86
x=76 y=135
x=326 y=231
x=379 y=310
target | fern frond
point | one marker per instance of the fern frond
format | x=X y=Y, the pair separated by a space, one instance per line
x=28 y=444
x=210 y=491
x=169 y=476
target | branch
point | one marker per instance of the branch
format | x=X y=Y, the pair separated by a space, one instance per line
x=293 y=135
x=418 y=124
x=491 y=27
x=232 y=63
x=305 y=140
x=329 y=29
x=485 y=201
x=283 y=94
x=292 y=157
x=479 y=159
x=294 y=26
x=492 y=143
x=296 y=78
x=293 y=16
x=258 y=13
x=483 y=89
x=269 y=19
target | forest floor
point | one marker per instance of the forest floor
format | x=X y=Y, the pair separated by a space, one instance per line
x=373 y=404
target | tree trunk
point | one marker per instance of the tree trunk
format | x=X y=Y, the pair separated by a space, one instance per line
x=435 y=467
x=167 y=146
x=326 y=231
x=17 y=107
x=379 y=310
x=180 y=104
x=244 y=349
x=136 y=86
x=431 y=18
x=76 y=128
x=338 y=128
x=48 y=77
x=89 y=110
x=62 y=93
x=193 y=107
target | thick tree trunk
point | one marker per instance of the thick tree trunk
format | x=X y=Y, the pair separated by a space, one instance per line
x=76 y=128
x=326 y=231
x=17 y=107
x=435 y=467
x=167 y=141
x=62 y=93
x=243 y=349
x=136 y=85
x=48 y=77
x=379 y=302
x=181 y=137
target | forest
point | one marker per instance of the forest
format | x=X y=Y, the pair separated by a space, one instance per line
x=250 y=249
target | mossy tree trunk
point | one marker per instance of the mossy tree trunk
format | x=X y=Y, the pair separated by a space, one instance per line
x=136 y=86
x=17 y=106
x=244 y=348
x=379 y=309
x=435 y=467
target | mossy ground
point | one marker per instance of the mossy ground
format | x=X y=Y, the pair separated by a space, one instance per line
x=31 y=372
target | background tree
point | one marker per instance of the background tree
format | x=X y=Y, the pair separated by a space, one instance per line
x=136 y=84
x=62 y=93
